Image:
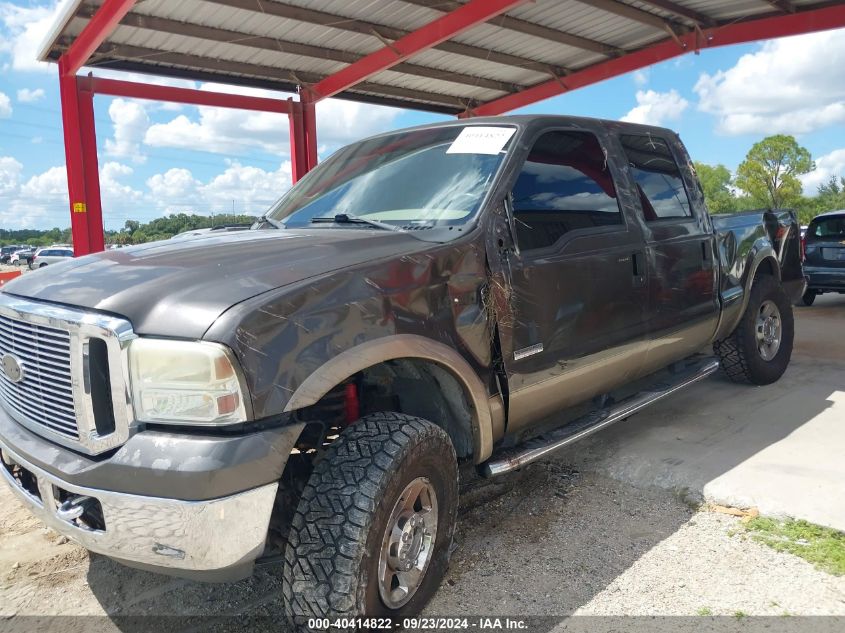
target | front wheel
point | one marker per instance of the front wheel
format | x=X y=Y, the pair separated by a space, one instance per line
x=372 y=531
x=759 y=349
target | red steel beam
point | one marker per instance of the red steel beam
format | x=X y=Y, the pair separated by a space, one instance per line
x=88 y=133
x=190 y=96
x=309 y=122
x=810 y=21
x=443 y=28
x=95 y=32
x=299 y=165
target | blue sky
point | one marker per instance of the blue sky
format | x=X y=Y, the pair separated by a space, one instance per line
x=156 y=159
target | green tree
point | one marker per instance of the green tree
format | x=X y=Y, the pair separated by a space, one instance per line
x=716 y=183
x=769 y=173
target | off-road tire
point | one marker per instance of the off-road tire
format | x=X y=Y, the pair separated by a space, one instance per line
x=809 y=297
x=331 y=560
x=740 y=359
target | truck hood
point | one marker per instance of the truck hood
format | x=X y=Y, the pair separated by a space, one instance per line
x=178 y=288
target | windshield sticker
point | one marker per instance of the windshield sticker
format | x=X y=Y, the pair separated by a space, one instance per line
x=481 y=140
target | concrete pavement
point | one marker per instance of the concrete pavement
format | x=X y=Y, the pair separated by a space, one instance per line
x=780 y=448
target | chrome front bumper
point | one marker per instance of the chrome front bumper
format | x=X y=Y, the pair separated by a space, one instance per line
x=168 y=535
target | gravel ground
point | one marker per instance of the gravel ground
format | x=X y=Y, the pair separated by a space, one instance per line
x=579 y=544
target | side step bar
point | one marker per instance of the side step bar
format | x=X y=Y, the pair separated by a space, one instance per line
x=542 y=446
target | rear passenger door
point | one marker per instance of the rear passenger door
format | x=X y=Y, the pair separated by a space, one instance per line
x=578 y=289
x=680 y=247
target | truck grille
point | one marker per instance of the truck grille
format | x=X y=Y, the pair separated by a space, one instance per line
x=44 y=393
x=63 y=373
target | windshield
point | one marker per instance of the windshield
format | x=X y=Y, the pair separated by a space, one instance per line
x=410 y=180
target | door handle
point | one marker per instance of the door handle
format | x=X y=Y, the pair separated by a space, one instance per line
x=706 y=255
x=638 y=268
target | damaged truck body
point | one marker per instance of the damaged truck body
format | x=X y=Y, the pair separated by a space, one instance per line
x=476 y=292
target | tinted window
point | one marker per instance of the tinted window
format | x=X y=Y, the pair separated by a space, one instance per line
x=827 y=228
x=564 y=185
x=659 y=183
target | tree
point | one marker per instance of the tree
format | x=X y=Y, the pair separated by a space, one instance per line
x=769 y=173
x=716 y=184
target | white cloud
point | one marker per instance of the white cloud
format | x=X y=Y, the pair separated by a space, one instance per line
x=832 y=164
x=23 y=31
x=5 y=106
x=792 y=85
x=41 y=201
x=131 y=122
x=641 y=76
x=113 y=191
x=10 y=175
x=233 y=132
x=656 y=108
x=252 y=189
x=25 y=95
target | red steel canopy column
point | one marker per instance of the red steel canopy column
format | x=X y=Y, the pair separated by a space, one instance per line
x=78 y=123
x=77 y=97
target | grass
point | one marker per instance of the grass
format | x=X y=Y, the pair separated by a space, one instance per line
x=704 y=611
x=824 y=547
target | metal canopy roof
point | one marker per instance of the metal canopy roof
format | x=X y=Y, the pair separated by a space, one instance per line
x=535 y=46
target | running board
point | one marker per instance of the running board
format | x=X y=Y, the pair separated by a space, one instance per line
x=540 y=447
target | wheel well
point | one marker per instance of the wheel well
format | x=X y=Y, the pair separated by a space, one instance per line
x=413 y=386
x=767 y=267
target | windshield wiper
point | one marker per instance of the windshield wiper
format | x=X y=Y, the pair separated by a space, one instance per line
x=274 y=223
x=345 y=218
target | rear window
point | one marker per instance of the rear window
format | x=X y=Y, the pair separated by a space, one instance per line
x=832 y=227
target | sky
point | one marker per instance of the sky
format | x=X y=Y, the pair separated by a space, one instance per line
x=157 y=158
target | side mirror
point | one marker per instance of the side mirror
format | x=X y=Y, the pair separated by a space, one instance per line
x=511 y=215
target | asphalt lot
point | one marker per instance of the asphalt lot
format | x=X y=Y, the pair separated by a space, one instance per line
x=609 y=526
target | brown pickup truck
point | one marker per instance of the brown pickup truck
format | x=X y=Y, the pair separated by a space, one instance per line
x=475 y=293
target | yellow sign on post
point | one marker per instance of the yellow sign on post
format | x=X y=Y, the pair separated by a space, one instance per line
x=79 y=207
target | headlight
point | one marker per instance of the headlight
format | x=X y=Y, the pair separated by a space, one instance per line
x=184 y=382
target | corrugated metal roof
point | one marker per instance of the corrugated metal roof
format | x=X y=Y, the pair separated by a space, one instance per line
x=285 y=43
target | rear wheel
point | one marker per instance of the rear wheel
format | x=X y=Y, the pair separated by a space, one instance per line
x=372 y=531
x=759 y=349
x=809 y=297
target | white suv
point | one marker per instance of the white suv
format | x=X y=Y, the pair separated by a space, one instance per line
x=45 y=256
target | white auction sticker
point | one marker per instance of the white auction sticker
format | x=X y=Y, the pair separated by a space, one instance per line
x=478 y=139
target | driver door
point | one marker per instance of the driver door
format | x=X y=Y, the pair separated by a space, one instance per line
x=578 y=286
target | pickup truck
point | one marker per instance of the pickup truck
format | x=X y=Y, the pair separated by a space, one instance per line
x=470 y=294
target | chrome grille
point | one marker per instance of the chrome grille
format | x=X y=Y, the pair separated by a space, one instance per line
x=45 y=394
x=54 y=396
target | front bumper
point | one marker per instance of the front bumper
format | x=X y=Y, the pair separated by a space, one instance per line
x=215 y=539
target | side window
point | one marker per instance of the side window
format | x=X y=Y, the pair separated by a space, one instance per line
x=658 y=179
x=564 y=185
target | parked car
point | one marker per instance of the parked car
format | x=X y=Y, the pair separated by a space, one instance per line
x=476 y=293
x=22 y=257
x=824 y=255
x=46 y=256
x=6 y=253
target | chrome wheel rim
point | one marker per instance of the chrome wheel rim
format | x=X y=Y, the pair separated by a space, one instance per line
x=408 y=543
x=769 y=330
